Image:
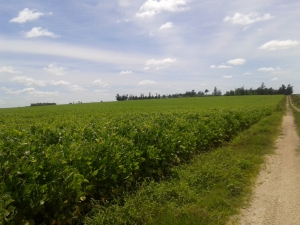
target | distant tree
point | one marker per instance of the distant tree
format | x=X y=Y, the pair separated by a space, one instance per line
x=216 y=92
x=206 y=91
x=289 y=90
x=282 y=89
x=261 y=90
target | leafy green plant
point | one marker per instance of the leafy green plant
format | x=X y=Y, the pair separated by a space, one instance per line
x=54 y=163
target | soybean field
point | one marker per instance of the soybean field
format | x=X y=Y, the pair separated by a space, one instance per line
x=54 y=160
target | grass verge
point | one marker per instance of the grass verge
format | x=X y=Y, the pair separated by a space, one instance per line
x=208 y=190
x=296 y=101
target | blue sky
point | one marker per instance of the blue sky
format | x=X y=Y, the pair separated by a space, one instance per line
x=69 y=51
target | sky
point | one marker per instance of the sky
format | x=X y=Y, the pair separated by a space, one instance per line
x=89 y=51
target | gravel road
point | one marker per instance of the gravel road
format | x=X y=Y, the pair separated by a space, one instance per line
x=276 y=196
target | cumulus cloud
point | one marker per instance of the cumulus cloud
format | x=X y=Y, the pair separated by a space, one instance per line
x=75 y=88
x=68 y=85
x=39 y=32
x=153 y=7
x=237 y=62
x=60 y=83
x=269 y=69
x=125 y=72
x=247 y=19
x=213 y=66
x=28 y=81
x=26 y=15
x=55 y=70
x=29 y=91
x=101 y=83
x=159 y=64
x=224 y=67
x=275 y=78
x=279 y=45
x=167 y=25
x=145 y=82
x=8 y=69
x=227 y=77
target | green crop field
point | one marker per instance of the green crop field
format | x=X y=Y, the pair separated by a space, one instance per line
x=55 y=159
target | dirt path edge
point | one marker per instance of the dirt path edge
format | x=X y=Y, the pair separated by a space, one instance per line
x=276 y=195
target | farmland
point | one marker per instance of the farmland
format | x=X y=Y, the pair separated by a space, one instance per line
x=55 y=159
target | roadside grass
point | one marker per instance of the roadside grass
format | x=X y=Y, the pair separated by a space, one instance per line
x=209 y=190
x=296 y=101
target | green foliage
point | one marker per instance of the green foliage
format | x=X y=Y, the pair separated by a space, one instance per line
x=207 y=191
x=55 y=160
x=296 y=100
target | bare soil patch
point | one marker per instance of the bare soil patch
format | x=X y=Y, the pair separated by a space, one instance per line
x=276 y=196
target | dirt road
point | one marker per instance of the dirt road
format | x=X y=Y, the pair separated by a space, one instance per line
x=276 y=197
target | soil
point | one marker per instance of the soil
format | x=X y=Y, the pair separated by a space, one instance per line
x=276 y=196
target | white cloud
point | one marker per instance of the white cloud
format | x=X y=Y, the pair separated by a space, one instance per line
x=28 y=81
x=60 y=83
x=247 y=73
x=275 y=78
x=8 y=69
x=159 y=64
x=153 y=7
x=227 y=77
x=29 y=91
x=279 y=45
x=246 y=28
x=71 y=51
x=75 y=88
x=145 y=82
x=37 y=47
x=58 y=71
x=39 y=32
x=213 y=66
x=247 y=19
x=269 y=69
x=237 y=62
x=26 y=15
x=126 y=72
x=101 y=83
x=224 y=67
x=68 y=85
x=167 y=25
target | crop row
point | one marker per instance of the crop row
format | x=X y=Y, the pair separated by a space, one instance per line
x=50 y=173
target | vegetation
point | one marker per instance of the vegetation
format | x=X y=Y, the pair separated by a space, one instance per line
x=296 y=101
x=209 y=190
x=55 y=160
x=261 y=90
x=42 y=104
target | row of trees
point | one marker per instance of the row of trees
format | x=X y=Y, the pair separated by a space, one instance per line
x=158 y=96
x=42 y=104
x=261 y=90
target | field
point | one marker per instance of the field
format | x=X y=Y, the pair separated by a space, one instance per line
x=56 y=159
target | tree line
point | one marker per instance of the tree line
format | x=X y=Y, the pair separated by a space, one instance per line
x=42 y=104
x=261 y=90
